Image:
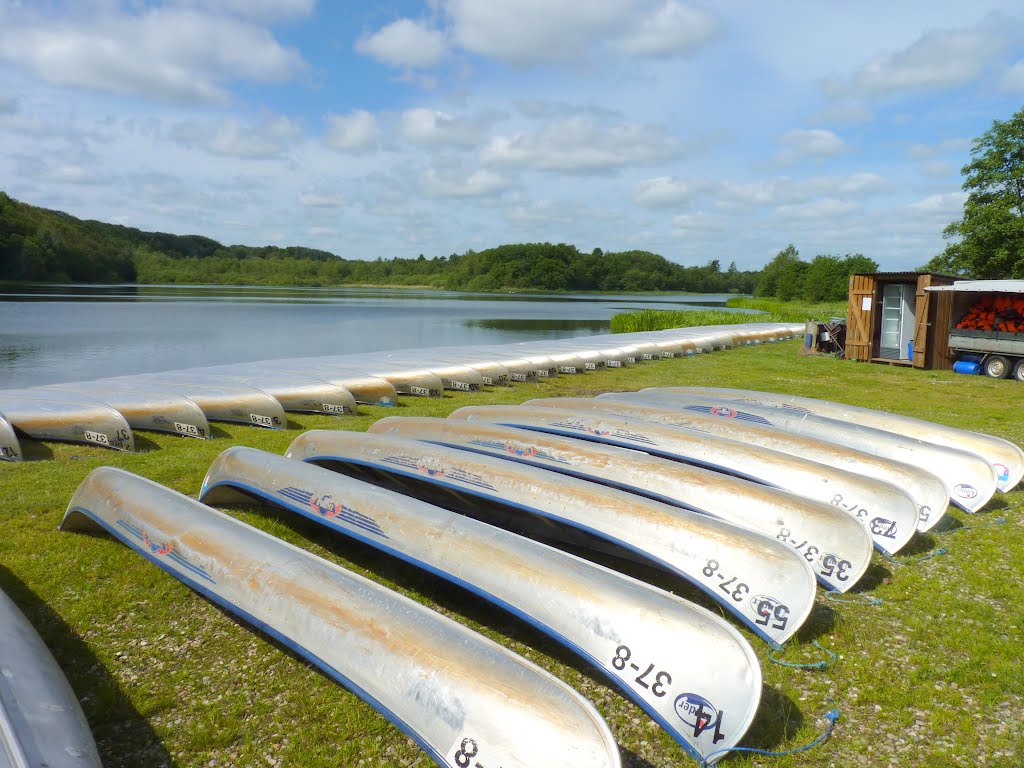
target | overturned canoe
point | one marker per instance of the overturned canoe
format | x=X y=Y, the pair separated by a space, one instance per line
x=10 y=448
x=459 y=695
x=836 y=545
x=925 y=488
x=41 y=723
x=608 y=618
x=231 y=403
x=890 y=514
x=294 y=394
x=1006 y=458
x=148 y=411
x=735 y=566
x=67 y=420
x=367 y=385
x=969 y=480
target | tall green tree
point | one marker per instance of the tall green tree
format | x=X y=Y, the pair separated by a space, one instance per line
x=988 y=242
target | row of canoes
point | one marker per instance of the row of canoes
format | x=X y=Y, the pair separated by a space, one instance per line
x=515 y=504
x=104 y=412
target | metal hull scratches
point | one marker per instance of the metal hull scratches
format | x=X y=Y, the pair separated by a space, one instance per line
x=453 y=691
x=41 y=723
x=836 y=545
x=10 y=448
x=740 y=569
x=889 y=513
x=969 y=480
x=925 y=488
x=1006 y=458
x=234 y=404
x=67 y=420
x=148 y=411
x=298 y=395
x=596 y=612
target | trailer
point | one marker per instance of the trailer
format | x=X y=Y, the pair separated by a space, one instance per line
x=987 y=335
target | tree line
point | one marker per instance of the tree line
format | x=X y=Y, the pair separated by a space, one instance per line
x=41 y=245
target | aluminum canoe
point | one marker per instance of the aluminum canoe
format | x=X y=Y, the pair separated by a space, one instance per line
x=67 y=421
x=232 y=403
x=300 y=395
x=928 y=490
x=1006 y=458
x=10 y=448
x=609 y=619
x=837 y=546
x=456 y=693
x=969 y=480
x=545 y=366
x=519 y=369
x=460 y=378
x=364 y=388
x=41 y=722
x=735 y=566
x=365 y=382
x=148 y=411
x=889 y=513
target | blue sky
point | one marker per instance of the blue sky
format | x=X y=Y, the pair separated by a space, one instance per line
x=696 y=130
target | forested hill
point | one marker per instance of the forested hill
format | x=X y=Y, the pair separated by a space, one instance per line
x=40 y=245
x=37 y=244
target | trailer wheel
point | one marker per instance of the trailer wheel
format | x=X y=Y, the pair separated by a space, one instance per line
x=997 y=367
x=1018 y=370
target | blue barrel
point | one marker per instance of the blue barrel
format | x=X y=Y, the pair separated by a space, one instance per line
x=966 y=366
x=809 y=341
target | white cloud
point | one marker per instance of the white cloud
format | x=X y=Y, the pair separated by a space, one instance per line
x=254 y=9
x=167 y=54
x=404 y=43
x=232 y=138
x=429 y=127
x=312 y=199
x=937 y=60
x=577 y=145
x=666 y=191
x=815 y=142
x=354 y=132
x=949 y=205
x=671 y=30
x=825 y=208
x=536 y=31
x=479 y=183
x=1013 y=79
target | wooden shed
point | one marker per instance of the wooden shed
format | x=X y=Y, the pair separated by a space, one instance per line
x=893 y=319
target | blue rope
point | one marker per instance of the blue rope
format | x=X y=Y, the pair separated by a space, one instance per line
x=855 y=598
x=907 y=560
x=831 y=716
x=947 y=530
x=811 y=665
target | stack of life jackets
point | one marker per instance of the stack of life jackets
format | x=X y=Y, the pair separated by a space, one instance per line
x=995 y=313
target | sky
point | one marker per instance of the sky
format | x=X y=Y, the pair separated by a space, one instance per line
x=699 y=131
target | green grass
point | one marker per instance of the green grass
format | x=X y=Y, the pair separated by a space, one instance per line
x=775 y=311
x=931 y=676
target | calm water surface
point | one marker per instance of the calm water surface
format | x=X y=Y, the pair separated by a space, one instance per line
x=51 y=334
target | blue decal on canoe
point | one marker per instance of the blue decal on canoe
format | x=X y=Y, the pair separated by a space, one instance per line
x=436 y=470
x=164 y=550
x=327 y=507
x=728 y=413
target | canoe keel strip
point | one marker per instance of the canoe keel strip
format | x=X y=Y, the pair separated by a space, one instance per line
x=41 y=723
x=459 y=695
x=969 y=479
x=1006 y=458
x=606 y=617
x=742 y=570
x=836 y=545
x=889 y=514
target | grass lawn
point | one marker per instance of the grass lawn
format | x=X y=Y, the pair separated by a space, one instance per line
x=930 y=676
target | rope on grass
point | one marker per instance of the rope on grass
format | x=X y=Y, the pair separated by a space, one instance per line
x=831 y=716
x=808 y=665
x=945 y=531
x=854 y=598
x=908 y=560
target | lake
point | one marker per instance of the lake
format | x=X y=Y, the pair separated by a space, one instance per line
x=51 y=334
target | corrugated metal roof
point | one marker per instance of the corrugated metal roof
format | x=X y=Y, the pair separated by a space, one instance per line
x=907 y=275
